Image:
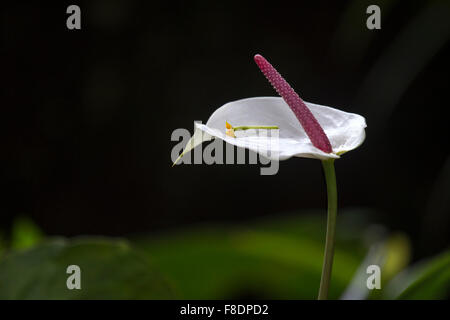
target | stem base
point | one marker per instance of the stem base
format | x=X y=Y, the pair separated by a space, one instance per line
x=330 y=177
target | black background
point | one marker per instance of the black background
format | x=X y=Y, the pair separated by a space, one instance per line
x=88 y=114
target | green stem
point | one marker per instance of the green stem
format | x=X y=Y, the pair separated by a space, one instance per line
x=330 y=177
x=254 y=127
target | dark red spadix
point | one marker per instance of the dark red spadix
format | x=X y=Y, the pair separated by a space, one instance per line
x=307 y=120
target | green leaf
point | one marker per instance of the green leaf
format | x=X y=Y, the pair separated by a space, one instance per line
x=390 y=253
x=110 y=269
x=429 y=280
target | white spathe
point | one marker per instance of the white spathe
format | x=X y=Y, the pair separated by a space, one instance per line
x=344 y=130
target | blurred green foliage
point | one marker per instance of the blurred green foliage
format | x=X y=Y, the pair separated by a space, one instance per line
x=276 y=258
x=25 y=234
x=273 y=258
x=427 y=280
x=110 y=269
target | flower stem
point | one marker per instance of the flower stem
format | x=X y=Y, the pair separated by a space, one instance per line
x=330 y=178
x=254 y=127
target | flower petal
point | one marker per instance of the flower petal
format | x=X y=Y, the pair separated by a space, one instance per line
x=344 y=130
x=198 y=138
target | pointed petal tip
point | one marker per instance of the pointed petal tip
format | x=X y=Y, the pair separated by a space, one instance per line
x=178 y=159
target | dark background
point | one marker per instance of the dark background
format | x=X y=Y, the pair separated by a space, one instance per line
x=88 y=114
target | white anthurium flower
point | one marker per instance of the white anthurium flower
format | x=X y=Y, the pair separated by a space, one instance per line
x=301 y=129
x=344 y=130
